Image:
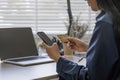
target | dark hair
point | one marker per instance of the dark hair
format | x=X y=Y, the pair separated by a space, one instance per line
x=112 y=7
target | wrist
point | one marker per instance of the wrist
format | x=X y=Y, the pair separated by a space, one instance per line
x=57 y=58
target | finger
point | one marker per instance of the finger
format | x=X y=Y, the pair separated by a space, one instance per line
x=71 y=40
x=74 y=48
x=70 y=45
x=45 y=45
x=54 y=44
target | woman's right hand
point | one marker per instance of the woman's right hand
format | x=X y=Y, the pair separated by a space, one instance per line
x=77 y=45
x=53 y=51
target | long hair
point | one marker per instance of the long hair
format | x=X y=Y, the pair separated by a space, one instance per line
x=112 y=7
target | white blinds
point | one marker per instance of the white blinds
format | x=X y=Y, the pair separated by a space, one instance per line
x=42 y=15
x=52 y=15
x=17 y=13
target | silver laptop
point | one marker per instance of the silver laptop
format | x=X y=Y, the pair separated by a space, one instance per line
x=17 y=46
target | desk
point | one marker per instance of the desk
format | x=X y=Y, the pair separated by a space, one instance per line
x=14 y=72
x=42 y=72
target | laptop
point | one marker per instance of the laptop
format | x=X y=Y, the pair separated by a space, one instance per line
x=17 y=46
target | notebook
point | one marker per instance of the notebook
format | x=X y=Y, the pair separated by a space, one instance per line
x=17 y=46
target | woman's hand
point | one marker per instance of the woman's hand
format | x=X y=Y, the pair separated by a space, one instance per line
x=76 y=44
x=53 y=51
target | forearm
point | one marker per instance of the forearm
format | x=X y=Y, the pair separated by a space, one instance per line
x=70 y=70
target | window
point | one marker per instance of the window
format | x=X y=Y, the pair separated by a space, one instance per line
x=17 y=13
x=42 y=15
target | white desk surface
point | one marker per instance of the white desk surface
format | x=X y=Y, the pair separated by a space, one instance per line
x=41 y=72
x=13 y=72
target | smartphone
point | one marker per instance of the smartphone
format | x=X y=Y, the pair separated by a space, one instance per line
x=45 y=38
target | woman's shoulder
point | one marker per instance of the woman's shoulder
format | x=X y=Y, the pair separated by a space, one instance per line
x=105 y=18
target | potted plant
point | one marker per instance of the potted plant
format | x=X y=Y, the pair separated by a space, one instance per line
x=75 y=28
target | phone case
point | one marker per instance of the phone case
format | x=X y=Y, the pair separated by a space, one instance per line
x=45 y=38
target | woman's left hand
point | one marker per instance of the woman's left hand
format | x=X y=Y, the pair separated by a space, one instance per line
x=53 y=51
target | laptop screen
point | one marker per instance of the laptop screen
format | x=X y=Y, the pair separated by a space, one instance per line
x=17 y=42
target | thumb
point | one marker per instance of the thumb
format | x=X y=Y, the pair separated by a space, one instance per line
x=44 y=44
x=70 y=38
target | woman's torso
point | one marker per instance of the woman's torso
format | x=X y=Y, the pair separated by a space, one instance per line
x=102 y=53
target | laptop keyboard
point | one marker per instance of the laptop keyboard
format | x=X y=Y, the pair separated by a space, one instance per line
x=28 y=58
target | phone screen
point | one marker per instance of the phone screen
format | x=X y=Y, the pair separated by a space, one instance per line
x=45 y=38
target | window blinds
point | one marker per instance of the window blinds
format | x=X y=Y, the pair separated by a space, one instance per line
x=17 y=13
x=43 y=15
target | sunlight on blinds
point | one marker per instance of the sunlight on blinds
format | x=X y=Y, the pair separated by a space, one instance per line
x=17 y=13
x=43 y=15
x=51 y=15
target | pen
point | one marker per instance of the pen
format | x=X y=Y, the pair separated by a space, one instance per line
x=80 y=59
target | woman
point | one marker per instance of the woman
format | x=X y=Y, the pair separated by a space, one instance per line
x=103 y=50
